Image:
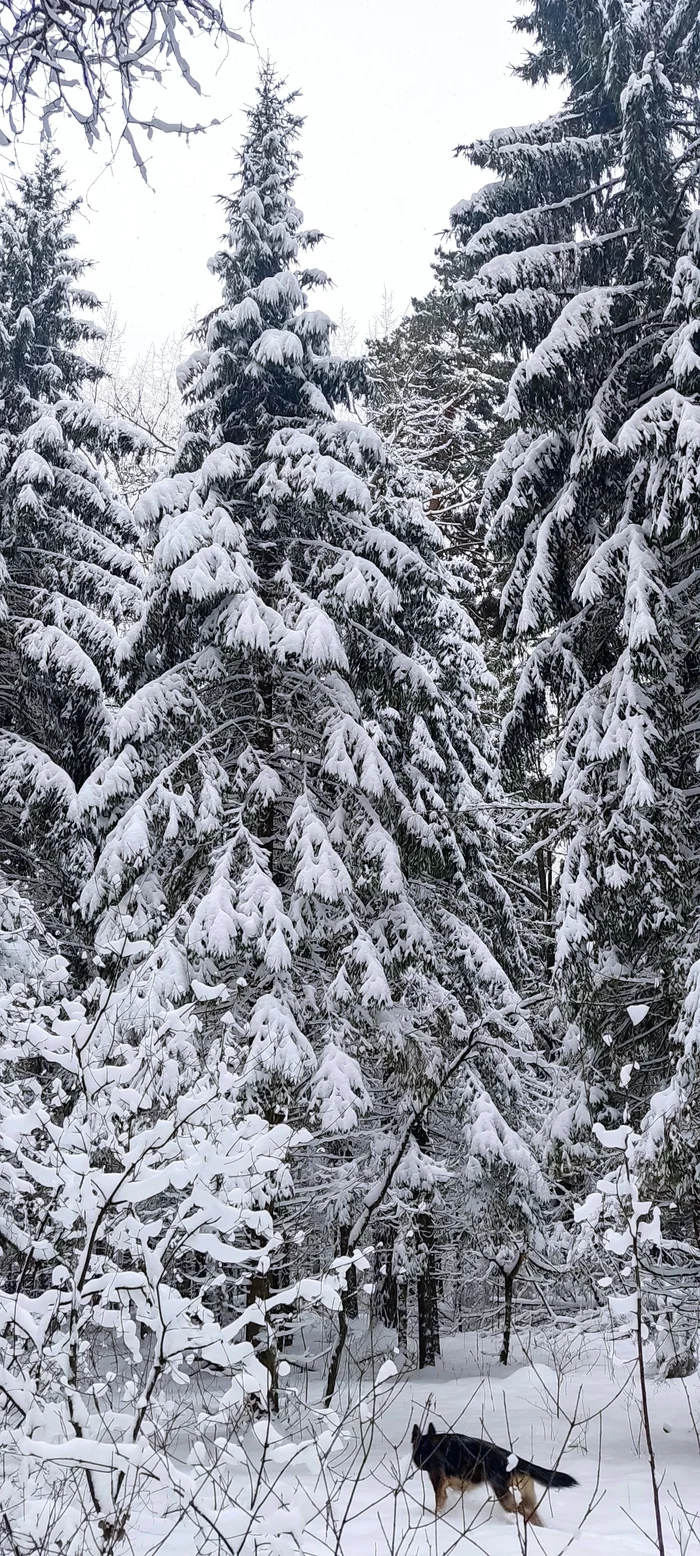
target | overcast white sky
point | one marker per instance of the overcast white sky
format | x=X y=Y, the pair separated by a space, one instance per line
x=389 y=87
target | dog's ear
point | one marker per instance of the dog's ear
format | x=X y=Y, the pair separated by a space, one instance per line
x=415 y=1435
x=431 y=1432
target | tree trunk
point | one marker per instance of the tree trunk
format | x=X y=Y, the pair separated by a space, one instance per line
x=350 y=1295
x=428 y=1316
x=262 y=1338
x=401 y=1289
x=384 y=1296
x=348 y=1309
x=509 y=1277
x=508 y=1319
x=336 y=1358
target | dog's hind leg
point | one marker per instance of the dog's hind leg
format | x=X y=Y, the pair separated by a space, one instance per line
x=525 y=1496
x=519 y=1496
x=530 y=1499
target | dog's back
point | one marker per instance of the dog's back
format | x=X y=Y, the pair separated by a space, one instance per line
x=453 y=1461
x=451 y=1454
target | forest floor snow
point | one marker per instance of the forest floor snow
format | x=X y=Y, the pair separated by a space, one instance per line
x=568 y=1402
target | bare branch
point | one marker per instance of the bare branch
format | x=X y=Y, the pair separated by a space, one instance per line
x=88 y=59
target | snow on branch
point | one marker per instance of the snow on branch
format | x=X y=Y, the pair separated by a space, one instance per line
x=84 y=57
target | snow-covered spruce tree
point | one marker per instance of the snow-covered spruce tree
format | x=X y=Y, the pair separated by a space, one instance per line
x=591 y=506
x=666 y=1155
x=68 y=574
x=298 y=790
x=433 y=389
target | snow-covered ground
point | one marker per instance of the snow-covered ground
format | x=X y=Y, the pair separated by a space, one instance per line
x=570 y=1402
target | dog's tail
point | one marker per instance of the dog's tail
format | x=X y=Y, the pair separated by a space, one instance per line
x=555 y=1478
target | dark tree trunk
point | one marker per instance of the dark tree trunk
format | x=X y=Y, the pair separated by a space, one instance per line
x=428 y=1317
x=508 y=1281
x=384 y=1296
x=280 y=1278
x=348 y=1299
x=350 y=1294
x=401 y=1289
x=262 y=1338
x=509 y=1278
x=336 y=1358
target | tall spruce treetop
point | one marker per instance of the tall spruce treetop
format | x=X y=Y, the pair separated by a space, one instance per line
x=297 y=793
x=580 y=265
x=241 y=396
x=68 y=575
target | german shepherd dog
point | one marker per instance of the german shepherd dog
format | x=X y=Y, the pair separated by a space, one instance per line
x=449 y=1459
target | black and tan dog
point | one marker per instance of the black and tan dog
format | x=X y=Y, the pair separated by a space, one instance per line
x=450 y=1460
